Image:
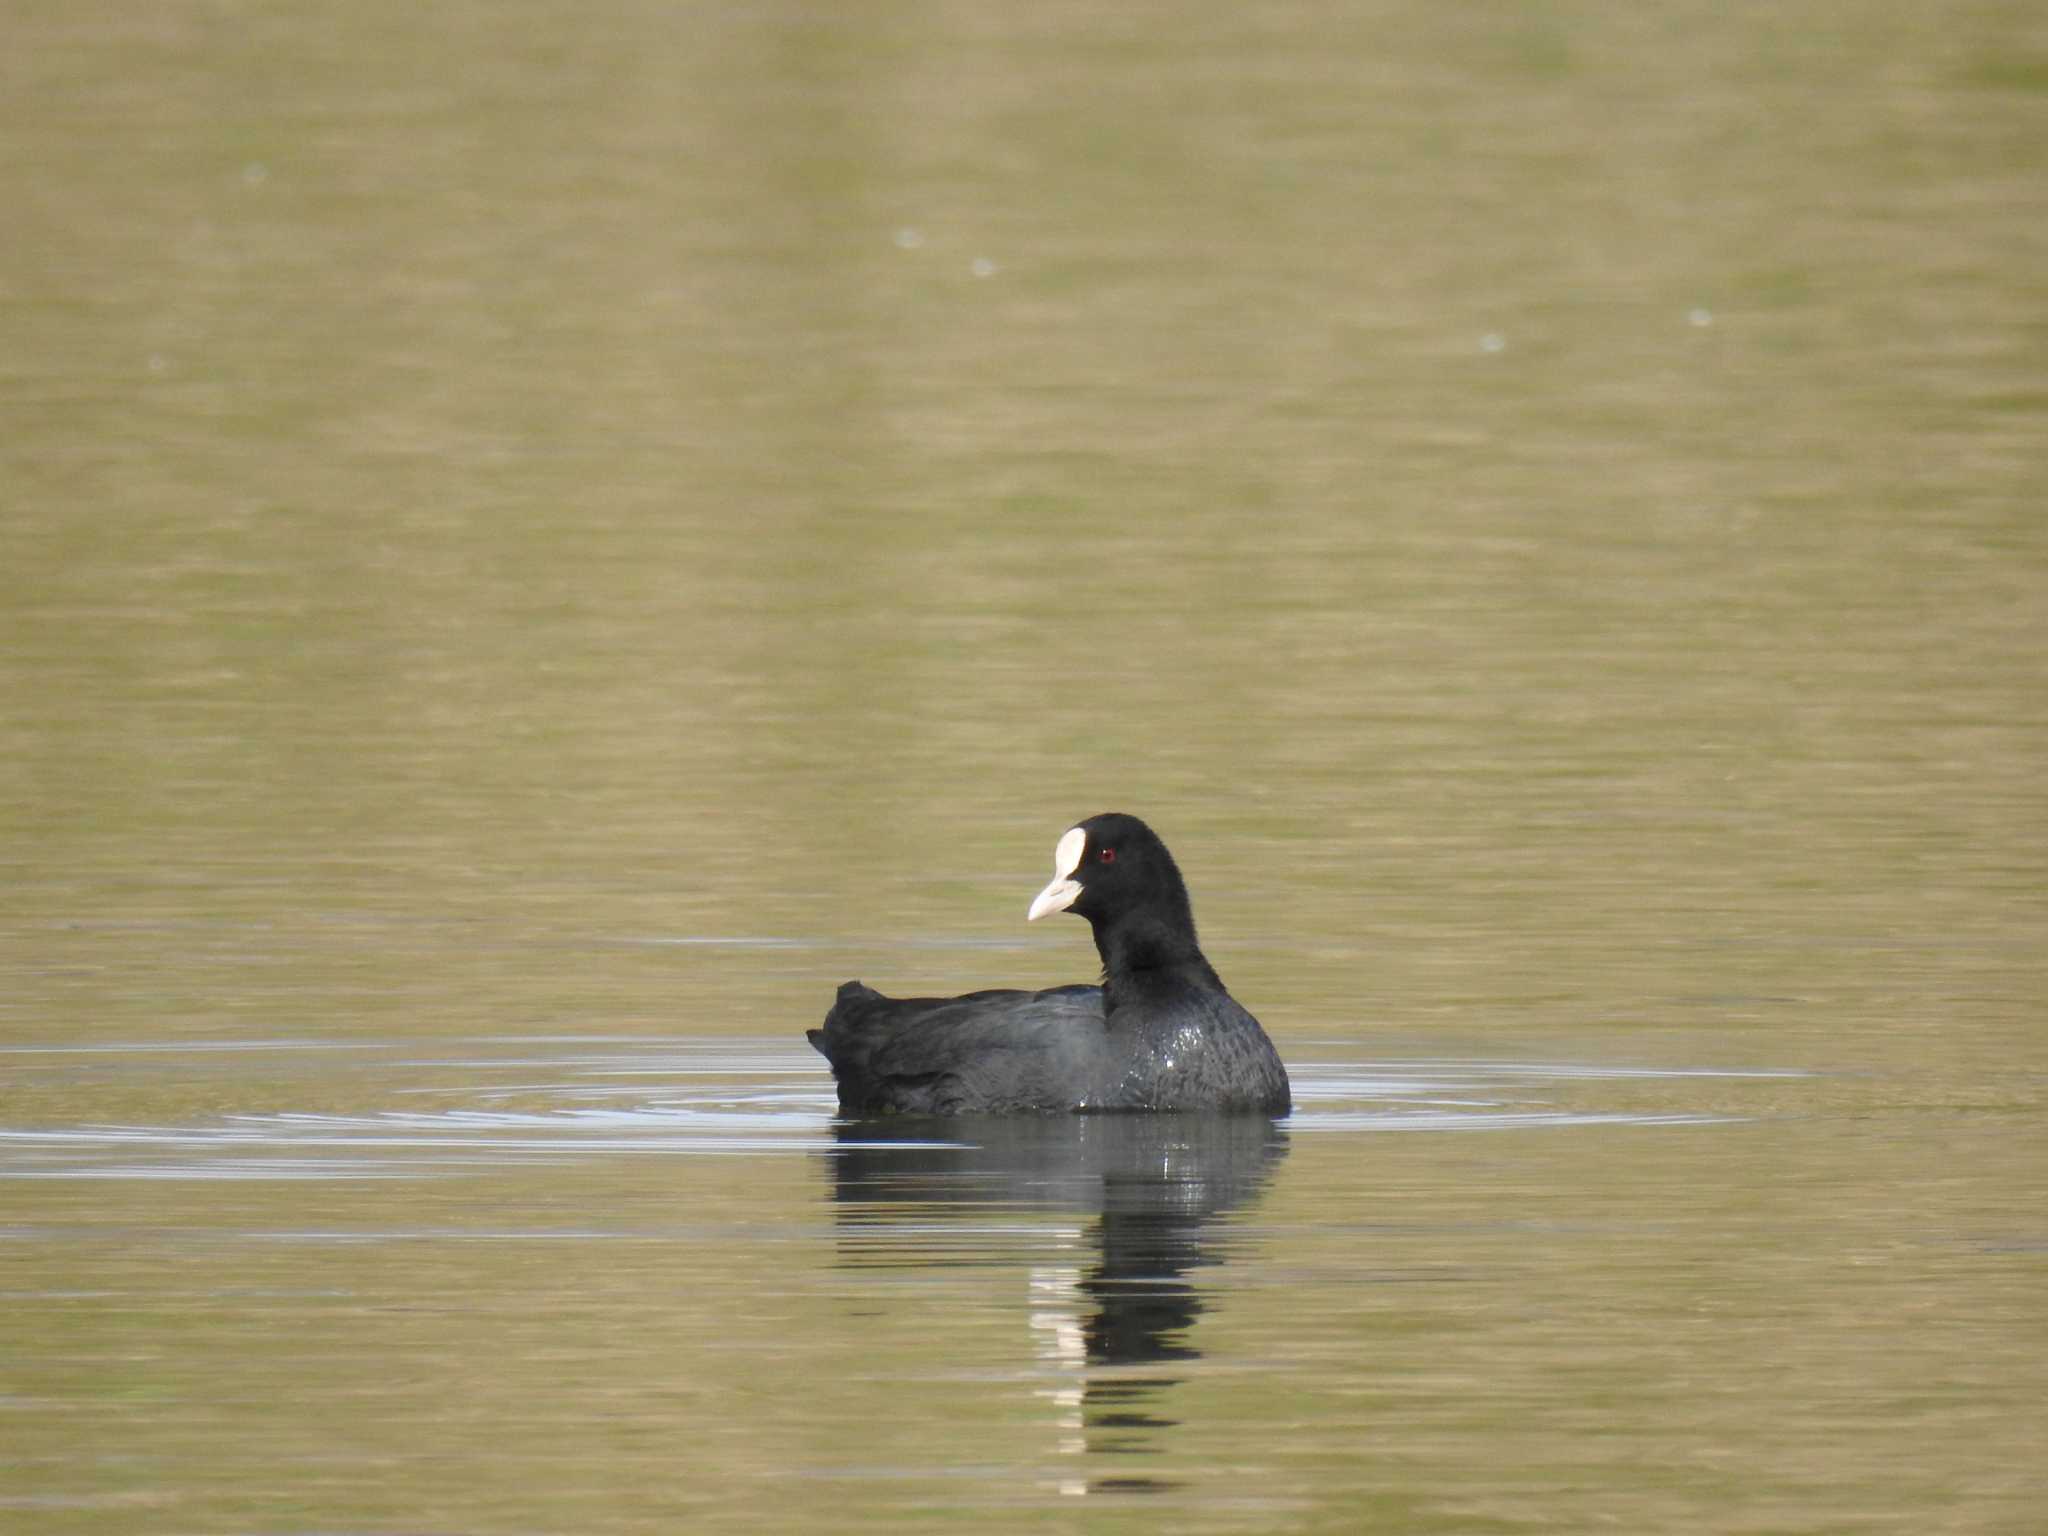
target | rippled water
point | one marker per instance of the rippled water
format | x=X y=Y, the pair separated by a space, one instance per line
x=1670 y=1288
x=655 y=1097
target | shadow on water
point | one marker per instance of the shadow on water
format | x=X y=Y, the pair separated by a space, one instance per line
x=1119 y=1296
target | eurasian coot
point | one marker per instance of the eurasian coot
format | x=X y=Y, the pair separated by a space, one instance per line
x=1159 y=1033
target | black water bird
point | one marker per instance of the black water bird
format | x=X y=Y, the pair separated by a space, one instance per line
x=1160 y=1033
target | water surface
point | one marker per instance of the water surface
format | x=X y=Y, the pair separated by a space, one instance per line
x=533 y=546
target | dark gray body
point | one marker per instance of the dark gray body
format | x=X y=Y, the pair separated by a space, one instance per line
x=1175 y=1046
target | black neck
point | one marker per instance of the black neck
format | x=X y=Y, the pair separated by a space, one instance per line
x=1143 y=949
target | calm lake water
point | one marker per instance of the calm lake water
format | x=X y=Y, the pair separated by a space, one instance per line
x=535 y=543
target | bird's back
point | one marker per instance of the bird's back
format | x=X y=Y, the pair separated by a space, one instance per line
x=984 y=1052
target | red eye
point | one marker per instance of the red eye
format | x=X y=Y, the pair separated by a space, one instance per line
x=1108 y=855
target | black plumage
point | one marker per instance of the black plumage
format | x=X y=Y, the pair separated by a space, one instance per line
x=1160 y=1033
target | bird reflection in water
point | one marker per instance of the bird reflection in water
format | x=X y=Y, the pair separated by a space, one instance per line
x=1117 y=1293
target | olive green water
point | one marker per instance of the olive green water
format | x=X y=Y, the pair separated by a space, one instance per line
x=536 y=542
